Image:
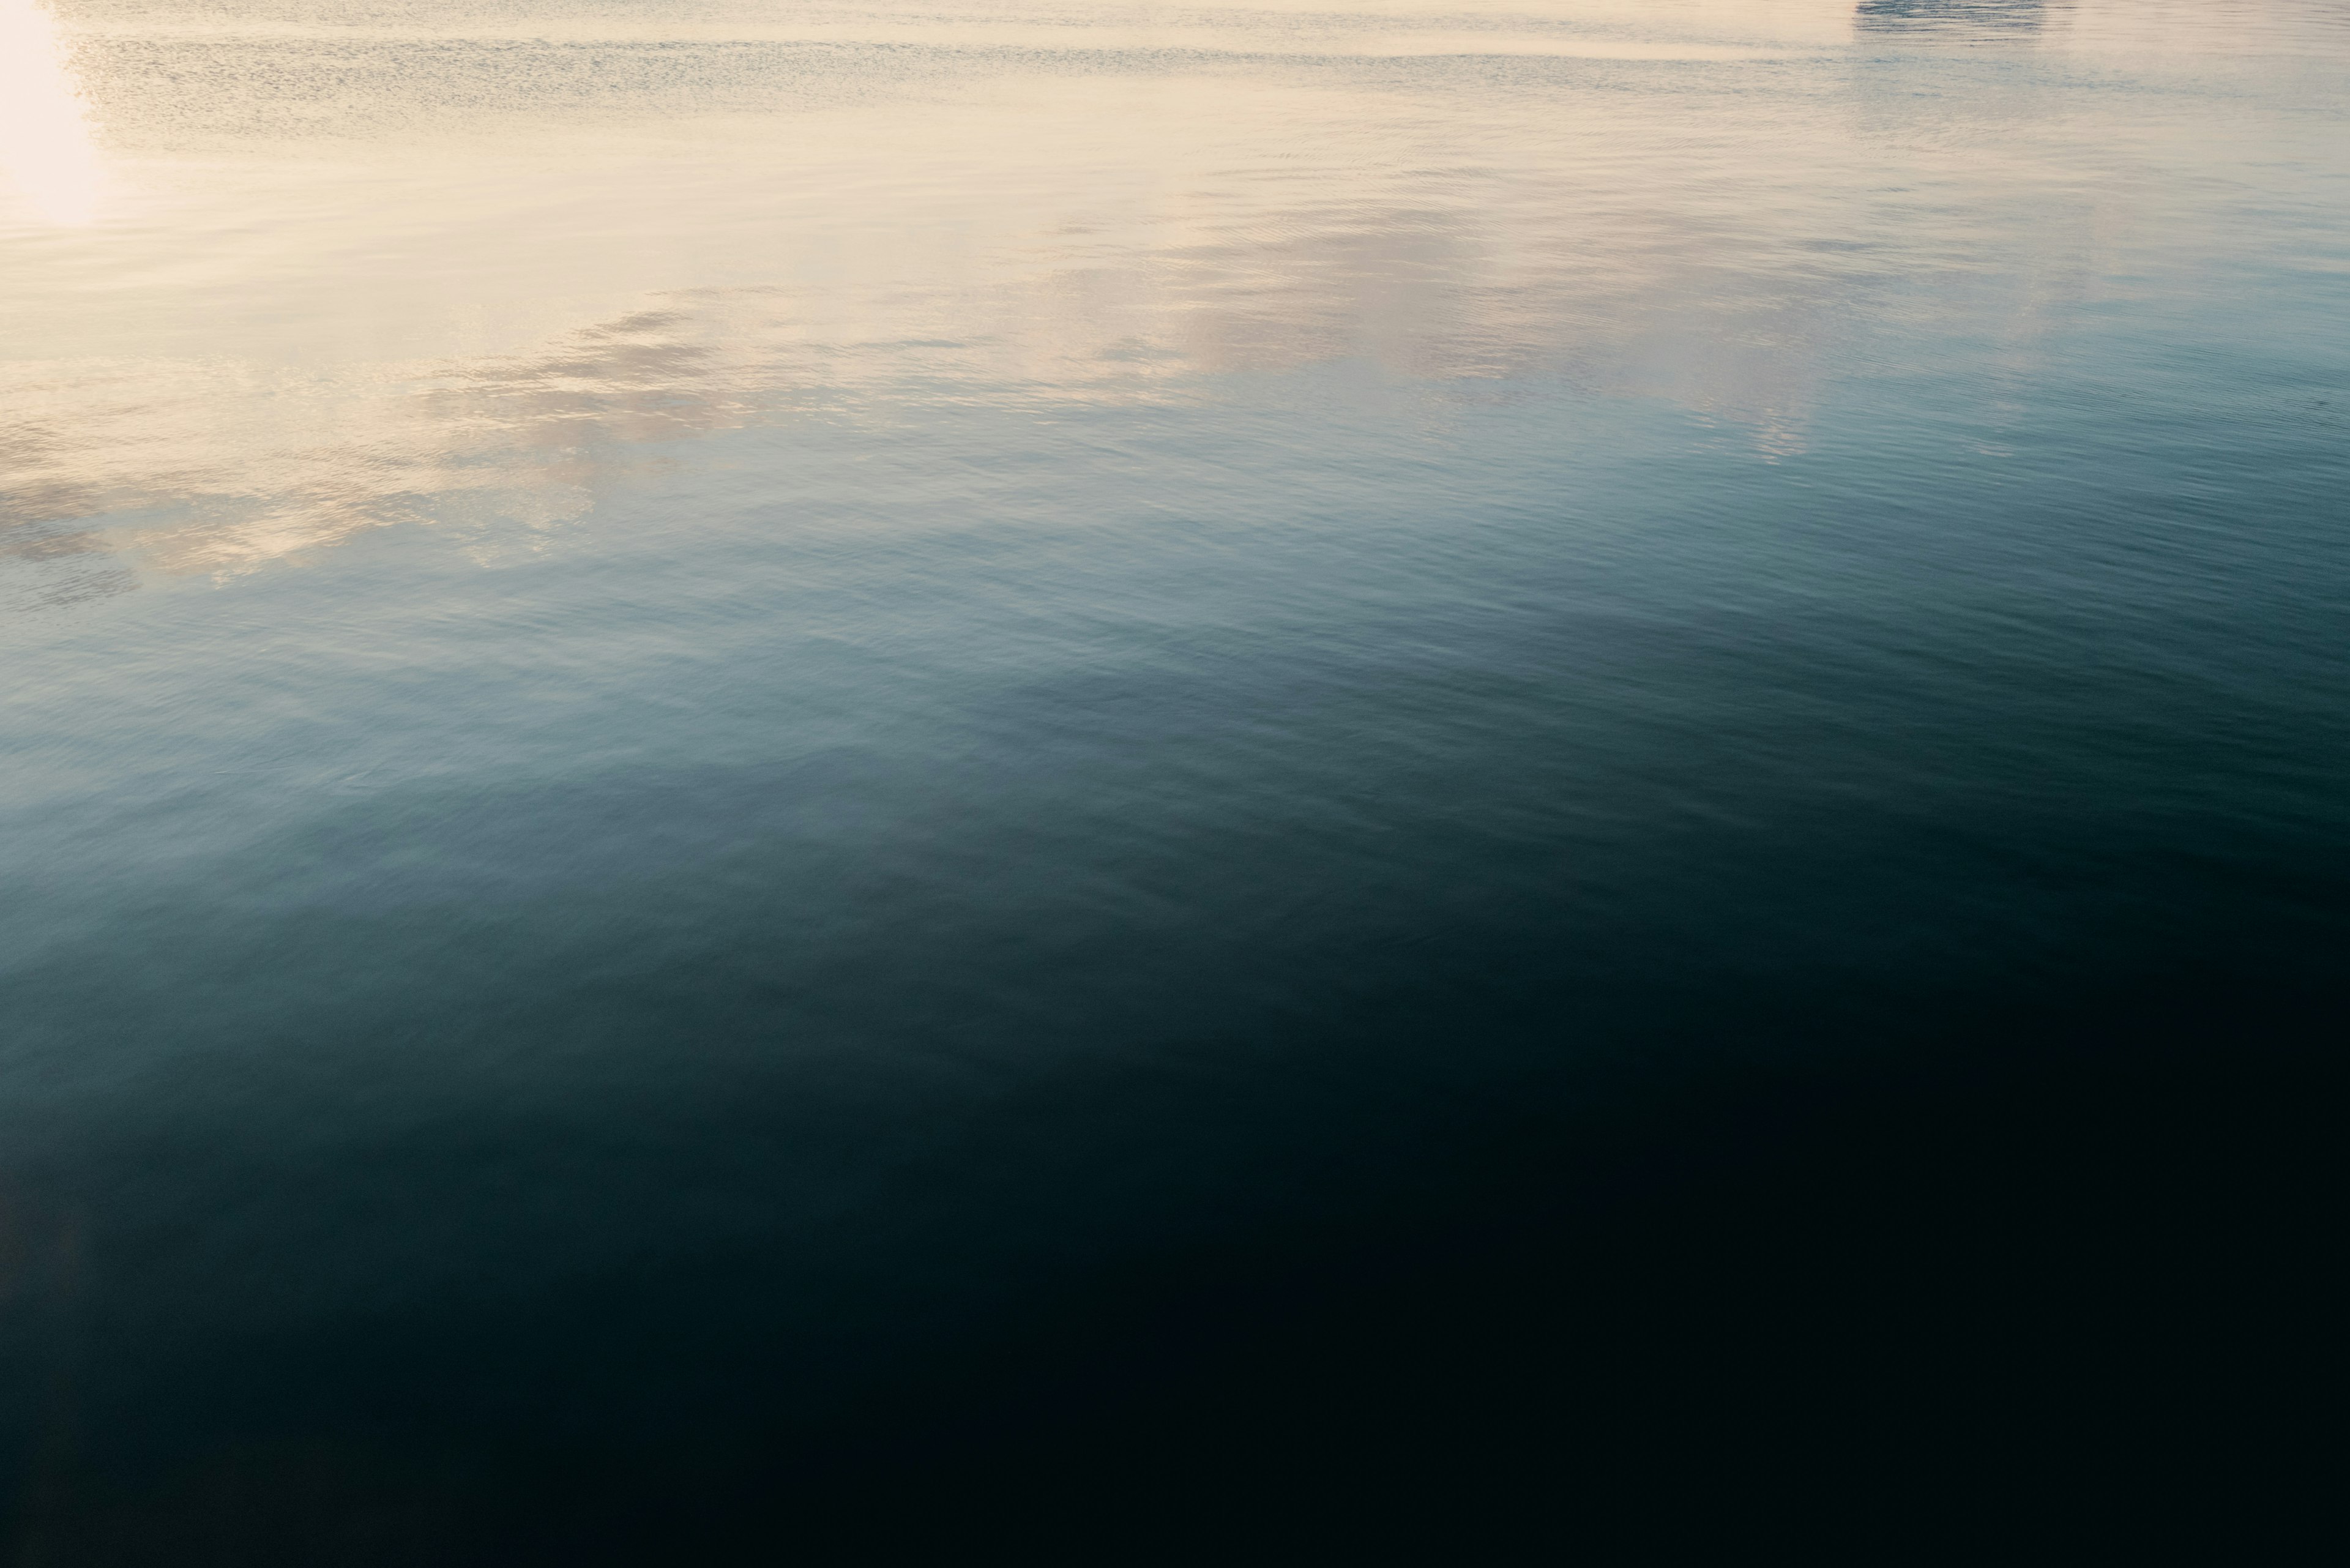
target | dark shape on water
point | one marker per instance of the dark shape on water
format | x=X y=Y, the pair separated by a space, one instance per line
x=1993 y=16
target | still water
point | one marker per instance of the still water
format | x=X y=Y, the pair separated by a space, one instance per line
x=716 y=711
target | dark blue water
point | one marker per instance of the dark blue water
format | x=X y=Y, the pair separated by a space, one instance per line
x=1428 y=788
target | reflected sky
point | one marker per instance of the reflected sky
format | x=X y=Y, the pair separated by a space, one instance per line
x=447 y=265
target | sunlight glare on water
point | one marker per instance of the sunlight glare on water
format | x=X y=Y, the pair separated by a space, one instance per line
x=45 y=139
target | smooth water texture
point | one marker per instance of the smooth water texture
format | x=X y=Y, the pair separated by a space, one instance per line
x=696 y=694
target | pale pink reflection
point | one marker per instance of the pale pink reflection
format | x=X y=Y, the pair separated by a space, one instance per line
x=369 y=282
x=45 y=145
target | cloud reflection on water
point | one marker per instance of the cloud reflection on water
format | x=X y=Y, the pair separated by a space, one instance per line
x=269 y=363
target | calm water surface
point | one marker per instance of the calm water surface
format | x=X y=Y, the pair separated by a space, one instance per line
x=730 y=729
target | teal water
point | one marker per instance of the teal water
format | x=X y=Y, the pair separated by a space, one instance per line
x=1151 y=784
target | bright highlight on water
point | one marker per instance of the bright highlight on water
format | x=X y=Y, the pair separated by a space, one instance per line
x=46 y=147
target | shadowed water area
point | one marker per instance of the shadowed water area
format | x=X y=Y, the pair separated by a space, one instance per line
x=1449 y=784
